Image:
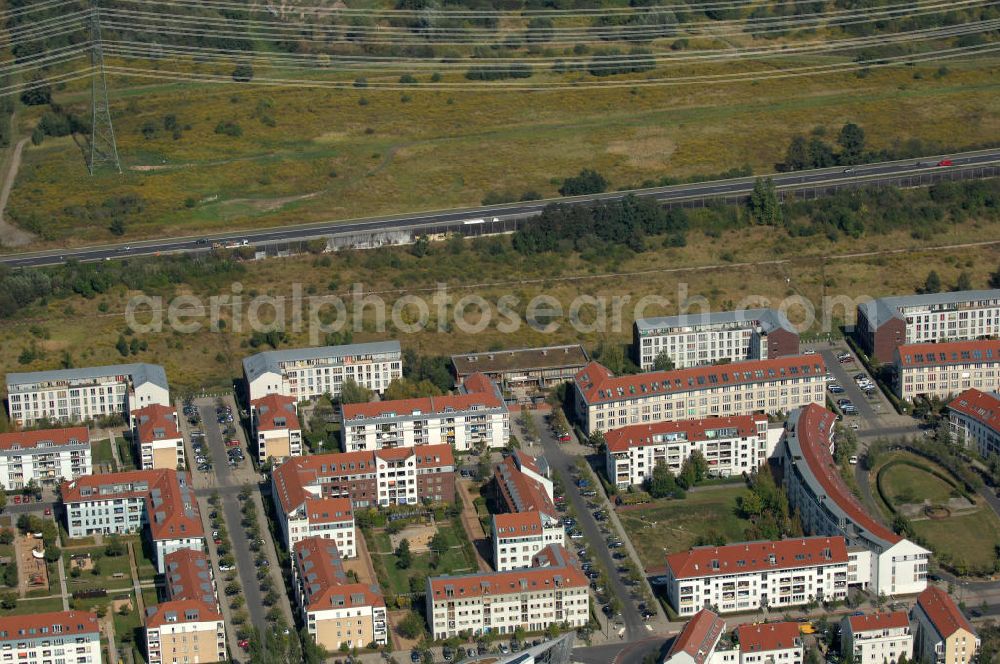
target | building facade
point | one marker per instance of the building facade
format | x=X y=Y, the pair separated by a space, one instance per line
x=307 y=373
x=523 y=371
x=752 y=575
x=276 y=427
x=160 y=503
x=943 y=634
x=501 y=602
x=730 y=445
x=696 y=339
x=476 y=417
x=974 y=418
x=157 y=438
x=770 y=643
x=773 y=386
x=697 y=640
x=886 y=323
x=334 y=610
x=948 y=368
x=79 y=395
x=893 y=565
x=60 y=637
x=519 y=537
x=188 y=625
x=879 y=638
x=46 y=457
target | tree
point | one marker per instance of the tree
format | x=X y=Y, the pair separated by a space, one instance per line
x=412 y=626
x=797 y=155
x=820 y=153
x=243 y=72
x=52 y=554
x=587 y=182
x=114 y=547
x=3 y=499
x=403 y=556
x=662 y=483
x=117 y=227
x=352 y=392
x=852 y=143
x=663 y=362
x=995 y=279
x=764 y=206
x=964 y=282
x=597 y=440
x=933 y=282
x=438 y=544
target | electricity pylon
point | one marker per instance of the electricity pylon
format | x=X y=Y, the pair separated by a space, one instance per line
x=103 y=150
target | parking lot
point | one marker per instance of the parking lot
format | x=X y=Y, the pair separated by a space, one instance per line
x=853 y=391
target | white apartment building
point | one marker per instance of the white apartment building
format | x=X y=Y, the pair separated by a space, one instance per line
x=501 y=602
x=946 y=369
x=697 y=640
x=519 y=537
x=751 y=575
x=878 y=638
x=335 y=611
x=160 y=502
x=159 y=441
x=888 y=322
x=893 y=565
x=79 y=395
x=770 y=643
x=276 y=427
x=974 y=417
x=306 y=373
x=696 y=339
x=730 y=445
x=60 y=637
x=474 y=417
x=46 y=457
x=328 y=518
x=605 y=402
x=943 y=634
x=185 y=630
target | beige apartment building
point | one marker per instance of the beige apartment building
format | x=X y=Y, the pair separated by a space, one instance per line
x=947 y=369
x=276 y=427
x=157 y=438
x=944 y=634
x=186 y=630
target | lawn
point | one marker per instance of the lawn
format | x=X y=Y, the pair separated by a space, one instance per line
x=29 y=606
x=452 y=561
x=125 y=452
x=669 y=526
x=904 y=484
x=107 y=568
x=101 y=452
x=964 y=541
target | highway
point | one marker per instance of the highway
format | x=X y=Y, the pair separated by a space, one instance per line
x=838 y=176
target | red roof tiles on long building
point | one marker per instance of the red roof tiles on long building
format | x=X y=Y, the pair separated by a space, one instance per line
x=640 y=435
x=984 y=407
x=31 y=439
x=942 y=612
x=699 y=636
x=18 y=628
x=876 y=622
x=948 y=353
x=181 y=611
x=325 y=584
x=769 y=637
x=479 y=394
x=757 y=557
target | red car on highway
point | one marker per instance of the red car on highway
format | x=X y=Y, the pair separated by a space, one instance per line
x=945 y=162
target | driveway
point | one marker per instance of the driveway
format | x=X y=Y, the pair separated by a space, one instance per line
x=853 y=392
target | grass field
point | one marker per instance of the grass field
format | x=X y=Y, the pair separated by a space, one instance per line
x=452 y=561
x=964 y=541
x=669 y=526
x=108 y=568
x=905 y=484
x=30 y=606
x=362 y=152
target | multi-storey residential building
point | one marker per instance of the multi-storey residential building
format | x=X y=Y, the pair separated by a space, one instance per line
x=60 y=637
x=502 y=602
x=769 y=643
x=47 y=456
x=161 y=501
x=78 y=395
x=974 y=417
x=157 y=438
x=943 y=634
x=885 y=562
x=888 y=322
x=187 y=626
x=773 y=386
x=310 y=515
x=730 y=445
x=334 y=610
x=694 y=339
x=276 y=427
x=947 y=368
x=522 y=371
x=519 y=537
x=306 y=373
x=751 y=575
x=878 y=638
x=522 y=483
x=475 y=417
x=697 y=640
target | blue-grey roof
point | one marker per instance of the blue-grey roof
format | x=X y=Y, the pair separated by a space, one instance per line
x=268 y=361
x=886 y=308
x=140 y=373
x=769 y=319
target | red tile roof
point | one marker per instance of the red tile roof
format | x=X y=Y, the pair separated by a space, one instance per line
x=520 y=492
x=878 y=621
x=768 y=637
x=513 y=524
x=910 y=356
x=640 y=435
x=757 y=556
x=984 y=407
x=171 y=508
x=813 y=431
x=942 y=612
x=325 y=585
x=275 y=411
x=179 y=610
x=699 y=636
x=480 y=392
x=18 y=628
x=31 y=439
x=329 y=510
x=188 y=575
x=598 y=384
x=503 y=583
x=156 y=422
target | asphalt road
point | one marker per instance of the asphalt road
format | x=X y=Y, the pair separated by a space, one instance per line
x=735 y=186
x=231 y=511
x=845 y=378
